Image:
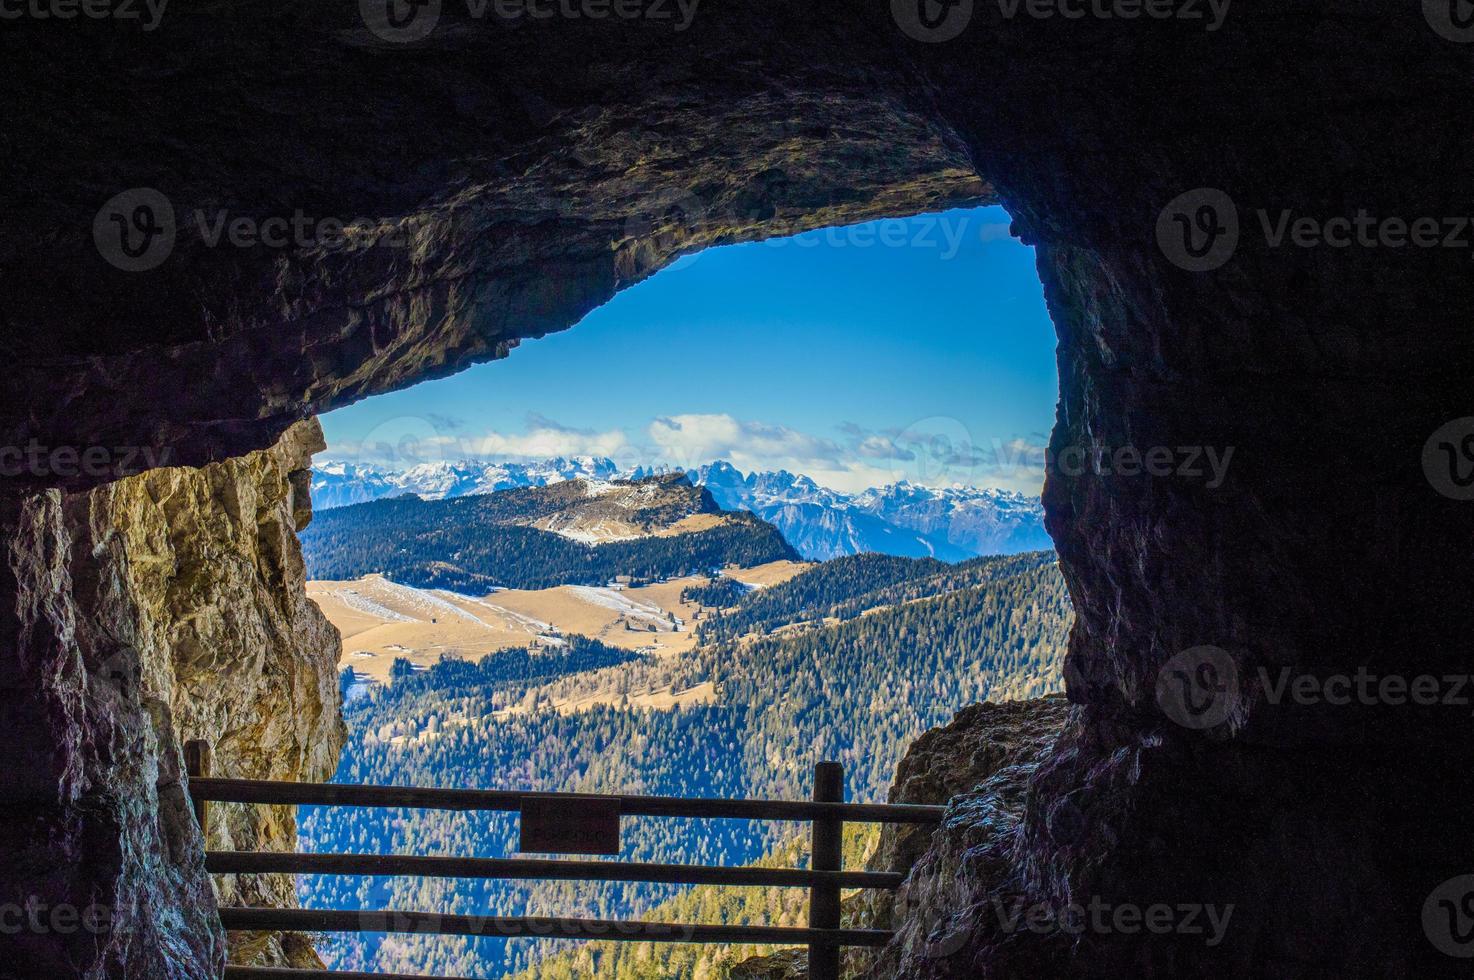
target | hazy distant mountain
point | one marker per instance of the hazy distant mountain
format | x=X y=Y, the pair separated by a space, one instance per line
x=979 y=521
x=900 y=519
x=820 y=523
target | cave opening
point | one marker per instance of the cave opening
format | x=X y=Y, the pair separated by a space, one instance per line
x=534 y=170
x=874 y=399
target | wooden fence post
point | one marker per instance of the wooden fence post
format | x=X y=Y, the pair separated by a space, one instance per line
x=197 y=764
x=827 y=843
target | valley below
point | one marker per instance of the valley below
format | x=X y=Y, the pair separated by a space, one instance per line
x=488 y=643
x=382 y=621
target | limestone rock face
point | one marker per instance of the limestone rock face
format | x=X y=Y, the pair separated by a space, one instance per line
x=154 y=610
x=786 y=964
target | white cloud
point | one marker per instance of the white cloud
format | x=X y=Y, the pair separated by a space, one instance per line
x=690 y=440
x=541 y=443
x=411 y=440
x=937 y=451
x=876 y=446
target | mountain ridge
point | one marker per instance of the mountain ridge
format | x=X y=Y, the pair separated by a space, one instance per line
x=903 y=518
x=576 y=532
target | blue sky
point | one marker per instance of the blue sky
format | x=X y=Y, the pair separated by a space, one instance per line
x=912 y=349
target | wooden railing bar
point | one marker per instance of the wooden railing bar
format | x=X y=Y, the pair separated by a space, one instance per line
x=537 y=927
x=197 y=755
x=827 y=854
x=287 y=862
x=332 y=794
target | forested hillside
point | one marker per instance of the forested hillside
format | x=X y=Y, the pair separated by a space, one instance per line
x=744 y=905
x=509 y=669
x=845 y=587
x=857 y=690
x=475 y=544
x=721 y=592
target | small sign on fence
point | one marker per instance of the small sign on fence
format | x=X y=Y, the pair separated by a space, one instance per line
x=570 y=825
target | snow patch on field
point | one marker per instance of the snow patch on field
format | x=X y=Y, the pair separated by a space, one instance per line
x=749 y=586
x=424 y=603
x=599 y=488
x=522 y=619
x=379 y=597
x=620 y=603
x=359 y=602
x=597 y=533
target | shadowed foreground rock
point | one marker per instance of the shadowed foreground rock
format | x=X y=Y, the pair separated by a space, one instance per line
x=786 y=964
x=978 y=765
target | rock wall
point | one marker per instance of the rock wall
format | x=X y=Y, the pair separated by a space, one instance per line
x=154 y=610
x=1326 y=551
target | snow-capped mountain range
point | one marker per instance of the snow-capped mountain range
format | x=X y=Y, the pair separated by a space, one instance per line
x=898 y=519
x=338 y=484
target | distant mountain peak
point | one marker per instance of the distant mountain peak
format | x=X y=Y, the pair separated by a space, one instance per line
x=580 y=531
x=901 y=518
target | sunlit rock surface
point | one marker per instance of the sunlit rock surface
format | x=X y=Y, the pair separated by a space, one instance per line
x=154 y=610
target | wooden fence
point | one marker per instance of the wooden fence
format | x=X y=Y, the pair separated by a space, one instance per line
x=560 y=823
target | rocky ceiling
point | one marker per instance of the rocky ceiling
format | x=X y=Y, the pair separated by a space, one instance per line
x=511 y=174
x=499 y=179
